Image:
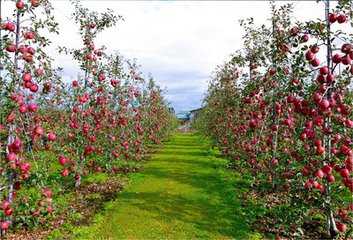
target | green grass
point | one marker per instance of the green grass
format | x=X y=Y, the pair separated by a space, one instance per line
x=184 y=192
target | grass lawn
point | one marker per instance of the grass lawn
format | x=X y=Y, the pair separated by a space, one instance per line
x=184 y=192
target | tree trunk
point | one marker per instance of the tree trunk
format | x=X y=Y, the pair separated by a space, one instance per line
x=331 y=224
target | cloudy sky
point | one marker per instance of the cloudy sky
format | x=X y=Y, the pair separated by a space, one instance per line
x=179 y=43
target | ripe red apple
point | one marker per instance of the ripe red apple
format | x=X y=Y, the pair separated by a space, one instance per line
x=23 y=108
x=101 y=77
x=344 y=172
x=324 y=70
x=20 y=4
x=32 y=107
x=62 y=160
x=319 y=173
x=324 y=104
x=8 y=212
x=11 y=47
x=35 y=3
x=75 y=83
x=51 y=136
x=303 y=136
x=29 y=35
x=330 y=78
x=25 y=167
x=341 y=227
x=320 y=150
x=320 y=79
x=327 y=169
x=318 y=186
x=345 y=150
x=11 y=157
x=315 y=62
x=274 y=161
x=253 y=123
x=10 y=26
x=341 y=18
x=346 y=60
x=346 y=48
x=28 y=85
x=65 y=172
x=15 y=146
x=4 y=225
x=305 y=38
x=317 y=97
x=27 y=57
x=332 y=17
x=336 y=58
x=27 y=77
x=34 y=88
x=330 y=178
x=114 y=82
x=315 y=49
x=309 y=55
x=31 y=50
x=318 y=142
x=348 y=123
x=5 y=205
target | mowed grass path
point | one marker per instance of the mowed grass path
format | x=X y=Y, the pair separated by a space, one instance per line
x=184 y=192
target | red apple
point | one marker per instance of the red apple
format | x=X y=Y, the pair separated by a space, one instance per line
x=330 y=178
x=315 y=62
x=309 y=55
x=10 y=26
x=27 y=77
x=341 y=227
x=324 y=70
x=65 y=172
x=51 y=136
x=62 y=160
x=20 y=4
x=341 y=18
x=35 y=3
x=336 y=58
x=319 y=173
x=332 y=17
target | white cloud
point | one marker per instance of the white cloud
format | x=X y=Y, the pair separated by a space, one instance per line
x=180 y=43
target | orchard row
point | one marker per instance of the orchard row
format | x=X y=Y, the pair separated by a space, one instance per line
x=281 y=109
x=108 y=115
